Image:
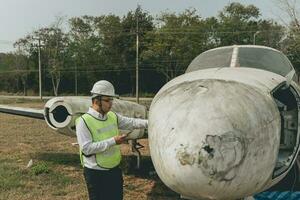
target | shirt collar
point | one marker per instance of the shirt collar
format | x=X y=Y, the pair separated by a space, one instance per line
x=96 y=114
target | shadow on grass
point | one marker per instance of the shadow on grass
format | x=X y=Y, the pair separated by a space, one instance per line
x=128 y=165
x=69 y=159
x=147 y=171
x=161 y=192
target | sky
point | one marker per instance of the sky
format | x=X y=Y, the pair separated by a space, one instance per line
x=21 y=17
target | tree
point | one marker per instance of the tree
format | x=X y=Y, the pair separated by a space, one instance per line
x=290 y=44
x=54 y=46
x=53 y=43
x=85 y=47
x=176 y=41
x=104 y=47
x=22 y=62
x=289 y=7
x=239 y=23
x=8 y=79
x=22 y=66
x=110 y=32
x=144 y=21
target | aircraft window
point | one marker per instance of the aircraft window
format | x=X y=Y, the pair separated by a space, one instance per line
x=211 y=59
x=265 y=59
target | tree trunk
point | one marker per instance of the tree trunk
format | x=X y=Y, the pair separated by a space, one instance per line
x=24 y=86
x=55 y=83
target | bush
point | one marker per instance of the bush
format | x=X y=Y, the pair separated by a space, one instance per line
x=40 y=168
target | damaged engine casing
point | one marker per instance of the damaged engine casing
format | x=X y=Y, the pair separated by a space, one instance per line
x=61 y=112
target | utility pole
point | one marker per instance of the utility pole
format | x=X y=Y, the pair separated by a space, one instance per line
x=74 y=57
x=75 y=78
x=137 y=57
x=254 y=36
x=40 y=69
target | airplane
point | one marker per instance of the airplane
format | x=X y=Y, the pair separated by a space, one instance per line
x=229 y=127
x=226 y=129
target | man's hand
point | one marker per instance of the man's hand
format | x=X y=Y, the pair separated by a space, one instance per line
x=120 y=139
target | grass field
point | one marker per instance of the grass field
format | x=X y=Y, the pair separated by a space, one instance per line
x=56 y=172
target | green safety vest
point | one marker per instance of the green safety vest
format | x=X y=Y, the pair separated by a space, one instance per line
x=102 y=130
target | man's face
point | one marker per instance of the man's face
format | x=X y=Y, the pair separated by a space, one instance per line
x=106 y=103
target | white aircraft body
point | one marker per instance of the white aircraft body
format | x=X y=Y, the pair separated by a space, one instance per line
x=229 y=127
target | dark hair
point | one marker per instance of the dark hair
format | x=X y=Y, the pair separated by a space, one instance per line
x=96 y=98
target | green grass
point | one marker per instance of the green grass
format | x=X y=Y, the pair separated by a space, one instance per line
x=40 y=168
x=58 y=179
x=10 y=176
x=13 y=180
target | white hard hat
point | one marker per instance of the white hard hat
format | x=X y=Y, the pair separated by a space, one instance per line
x=103 y=88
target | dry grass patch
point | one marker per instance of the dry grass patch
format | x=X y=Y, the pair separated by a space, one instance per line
x=56 y=172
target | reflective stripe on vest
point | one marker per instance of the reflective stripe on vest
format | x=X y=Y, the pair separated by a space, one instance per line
x=102 y=130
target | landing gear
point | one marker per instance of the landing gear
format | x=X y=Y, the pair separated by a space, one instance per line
x=135 y=147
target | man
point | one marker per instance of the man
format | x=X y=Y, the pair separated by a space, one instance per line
x=98 y=138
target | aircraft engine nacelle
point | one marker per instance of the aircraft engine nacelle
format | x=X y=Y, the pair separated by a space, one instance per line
x=220 y=133
x=61 y=112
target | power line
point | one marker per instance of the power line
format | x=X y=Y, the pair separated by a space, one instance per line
x=209 y=32
x=179 y=30
x=175 y=31
x=96 y=70
x=132 y=30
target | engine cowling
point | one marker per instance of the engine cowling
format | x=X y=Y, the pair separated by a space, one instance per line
x=61 y=112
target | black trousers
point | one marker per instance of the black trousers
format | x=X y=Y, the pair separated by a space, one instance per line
x=104 y=184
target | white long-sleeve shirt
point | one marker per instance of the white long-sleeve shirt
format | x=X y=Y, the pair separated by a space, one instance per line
x=89 y=147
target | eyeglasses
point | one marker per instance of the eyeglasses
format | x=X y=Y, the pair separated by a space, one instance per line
x=108 y=100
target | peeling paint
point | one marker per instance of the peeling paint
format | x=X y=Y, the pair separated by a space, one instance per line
x=184 y=157
x=200 y=158
x=220 y=155
x=217 y=157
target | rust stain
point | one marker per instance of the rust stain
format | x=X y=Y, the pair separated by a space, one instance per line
x=184 y=157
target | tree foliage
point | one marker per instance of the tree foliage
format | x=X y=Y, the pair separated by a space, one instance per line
x=105 y=47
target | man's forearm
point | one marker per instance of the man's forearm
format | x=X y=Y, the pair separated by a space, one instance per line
x=97 y=147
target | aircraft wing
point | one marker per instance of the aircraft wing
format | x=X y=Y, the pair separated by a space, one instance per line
x=60 y=113
x=26 y=112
